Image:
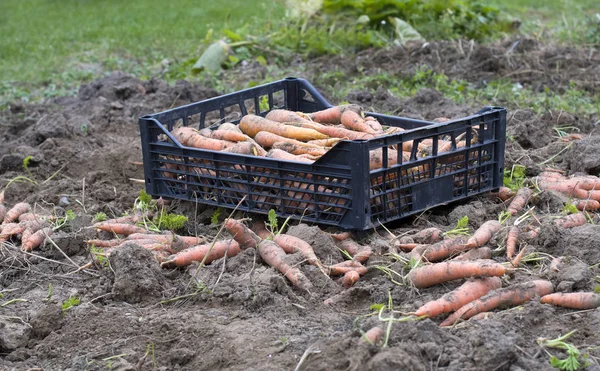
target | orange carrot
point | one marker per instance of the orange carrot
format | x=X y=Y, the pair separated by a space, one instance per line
x=170 y=237
x=242 y=234
x=409 y=246
x=433 y=274
x=10 y=229
x=376 y=158
x=229 y=135
x=267 y=140
x=229 y=127
x=282 y=115
x=245 y=148
x=352 y=248
x=120 y=228
x=517 y=260
x=294 y=244
x=352 y=119
x=334 y=131
x=341 y=236
x=519 y=201
x=574 y=300
x=464 y=294
x=484 y=234
x=570 y=221
x=531 y=234
x=440 y=250
x=128 y=219
x=325 y=142
x=586 y=195
x=373 y=336
x=198 y=252
x=474 y=254
x=273 y=255
x=299 y=149
x=331 y=115
x=350 y=278
x=511 y=241
x=191 y=138
x=363 y=255
x=286 y=156
x=584 y=205
x=36 y=239
x=509 y=296
x=252 y=124
x=346 y=266
x=504 y=194
x=13 y=213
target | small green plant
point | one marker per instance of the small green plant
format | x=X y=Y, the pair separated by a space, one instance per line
x=60 y=222
x=26 y=162
x=569 y=208
x=461 y=228
x=99 y=256
x=273 y=224
x=214 y=219
x=515 y=178
x=170 y=222
x=100 y=217
x=50 y=292
x=71 y=302
x=574 y=356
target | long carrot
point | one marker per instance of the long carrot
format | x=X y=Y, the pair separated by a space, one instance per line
x=517 y=260
x=292 y=244
x=511 y=241
x=36 y=239
x=509 y=296
x=331 y=115
x=120 y=228
x=519 y=201
x=574 y=300
x=464 y=294
x=252 y=125
x=474 y=254
x=484 y=234
x=282 y=115
x=228 y=135
x=325 y=142
x=242 y=234
x=352 y=119
x=267 y=140
x=198 y=252
x=191 y=138
x=433 y=274
x=346 y=266
x=584 y=205
x=170 y=237
x=10 y=229
x=350 y=278
x=13 y=213
x=334 y=131
x=273 y=255
x=286 y=156
x=570 y=221
x=299 y=149
x=440 y=250
x=104 y=243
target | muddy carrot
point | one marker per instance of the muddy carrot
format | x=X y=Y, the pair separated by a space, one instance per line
x=519 y=201
x=440 y=250
x=169 y=237
x=511 y=241
x=36 y=239
x=482 y=315
x=120 y=228
x=246 y=148
x=517 y=260
x=291 y=244
x=252 y=125
x=358 y=252
x=104 y=243
x=198 y=252
x=433 y=274
x=584 y=205
x=504 y=194
x=428 y=235
x=574 y=300
x=274 y=255
x=373 y=336
x=464 y=294
x=509 y=296
x=350 y=278
x=346 y=266
x=341 y=236
x=191 y=138
x=13 y=213
x=586 y=195
x=242 y=234
x=484 y=234
x=10 y=229
x=531 y=234
x=282 y=115
x=299 y=149
x=474 y=254
x=286 y=156
x=570 y=221
x=331 y=115
x=352 y=119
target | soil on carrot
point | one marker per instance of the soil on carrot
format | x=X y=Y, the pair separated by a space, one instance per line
x=125 y=313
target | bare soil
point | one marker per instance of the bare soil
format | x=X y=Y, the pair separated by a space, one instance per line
x=245 y=315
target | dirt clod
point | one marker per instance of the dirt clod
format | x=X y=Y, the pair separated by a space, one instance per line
x=13 y=334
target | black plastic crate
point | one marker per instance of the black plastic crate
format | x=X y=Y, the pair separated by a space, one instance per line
x=338 y=189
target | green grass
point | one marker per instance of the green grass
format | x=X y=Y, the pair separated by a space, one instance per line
x=41 y=38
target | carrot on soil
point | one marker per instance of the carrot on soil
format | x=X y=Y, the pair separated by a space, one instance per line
x=274 y=255
x=504 y=194
x=509 y=296
x=13 y=213
x=517 y=260
x=36 y=239
x=2 y=212
x=10 y=229
x=485 y=233
x=346 y=266
x=440 y=250
x=474 y=254
x=587 y=205
x=350 y=278
x=433 y=274
x=104 y=243
x=292 y=244
x=519 y=201
x=198 y=252
x=428 y=235
x=242 y=234
x=574 y=300
x=341 y=236
x=120 y=228
x=373 y=336
x=570 y=221
x=464 y=294
x=512 y=238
